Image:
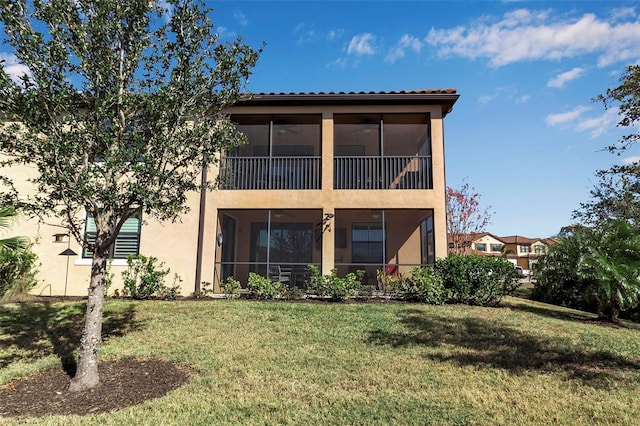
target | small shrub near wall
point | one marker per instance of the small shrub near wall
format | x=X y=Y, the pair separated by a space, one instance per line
x=477 y=280
x=259 y=287
x=338 y=289
x=144 y=278
x=231 y=288
x=18 y=271
x=425 y=285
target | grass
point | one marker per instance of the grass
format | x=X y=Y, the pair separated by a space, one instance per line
x=304 y=363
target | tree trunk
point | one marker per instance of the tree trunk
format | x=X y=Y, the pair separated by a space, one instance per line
x=615 y=311
x=86 y=376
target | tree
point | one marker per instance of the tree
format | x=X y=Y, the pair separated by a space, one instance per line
x=612 y=260
x=594 y=265
x=617 y=195
x=464 y=217
x=121 y=110
x=626 y=97
x=7 y=216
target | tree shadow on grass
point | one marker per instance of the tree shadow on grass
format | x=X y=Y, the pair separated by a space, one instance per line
x=482 y=343
x=562 y=313
x=34 y=330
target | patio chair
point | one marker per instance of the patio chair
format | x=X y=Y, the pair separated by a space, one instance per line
x=278 y=274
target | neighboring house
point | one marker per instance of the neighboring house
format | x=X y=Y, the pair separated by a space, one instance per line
x=487 y=244
x=338 y=180
x=522 y=251
x=482 y=243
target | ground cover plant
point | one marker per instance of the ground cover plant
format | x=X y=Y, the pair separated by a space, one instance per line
x=275 y=362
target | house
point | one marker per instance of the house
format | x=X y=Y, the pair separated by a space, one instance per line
x=522 y=251
x=338 y=180
x=487 y=244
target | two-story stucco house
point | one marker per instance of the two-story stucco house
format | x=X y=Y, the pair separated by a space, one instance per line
x=338 y=180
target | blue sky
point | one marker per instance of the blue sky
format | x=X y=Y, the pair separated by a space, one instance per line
x=524 y=132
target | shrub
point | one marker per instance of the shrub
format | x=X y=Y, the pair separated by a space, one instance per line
x=338 y=289
x=477 y=280
x=231 y=288
x=259 y=287
x=143 y=278
x=170 y=293
x=424 y=285
x=391 y=285
x=17 y=272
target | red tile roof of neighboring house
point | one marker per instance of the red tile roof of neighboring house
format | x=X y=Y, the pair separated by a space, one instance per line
x=444 y=97
x=517 y=239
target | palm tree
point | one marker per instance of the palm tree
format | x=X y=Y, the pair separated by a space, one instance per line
x=7 y=217
x=611 y=258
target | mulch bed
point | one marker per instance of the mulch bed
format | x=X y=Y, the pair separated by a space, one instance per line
x=123 y=383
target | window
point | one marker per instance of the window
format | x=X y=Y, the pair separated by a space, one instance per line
x=481 y=246
x=288 y=242
x=367 y=243
x=496 y=247
x=525 y=249
x=539 y=249
x=428 y=241
x=127 y=242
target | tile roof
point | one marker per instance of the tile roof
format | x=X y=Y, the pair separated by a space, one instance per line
x=445 y=98
x=449 y=91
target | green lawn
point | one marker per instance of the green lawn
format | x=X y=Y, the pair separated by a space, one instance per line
x=373 y=363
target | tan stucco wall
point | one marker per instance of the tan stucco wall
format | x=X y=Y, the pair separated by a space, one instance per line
x=176 y=243
x=173 y=243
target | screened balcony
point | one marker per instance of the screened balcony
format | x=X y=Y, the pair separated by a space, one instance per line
x=283 y=152
x=382 y=151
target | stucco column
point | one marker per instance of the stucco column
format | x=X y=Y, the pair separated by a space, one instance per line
x=439 y=184
x=328 y=211
x=328 y=244
x=327 y=151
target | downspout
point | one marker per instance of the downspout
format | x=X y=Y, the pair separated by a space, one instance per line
x=201 y=218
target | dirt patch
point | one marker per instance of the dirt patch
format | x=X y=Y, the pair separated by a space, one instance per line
x=123 y=383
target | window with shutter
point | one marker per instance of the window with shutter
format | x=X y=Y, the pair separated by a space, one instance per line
x=127 y=242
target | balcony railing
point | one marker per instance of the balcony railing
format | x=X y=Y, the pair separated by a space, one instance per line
x=270 y=173
x=406 y=172
x=403 y=172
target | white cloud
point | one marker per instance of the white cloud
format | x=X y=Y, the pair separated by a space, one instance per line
x=561 y=79
x=224 y=32
x=406 y=42
x=13 y=68
x=485 y=99
x=524 y=35
x=505 y=93
x=565 y=117
x=598 y=126
x=623 y=13
x=307 y=34
x=338 y=63
x=632 y=159
x=361 y=45
x=241 y=18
